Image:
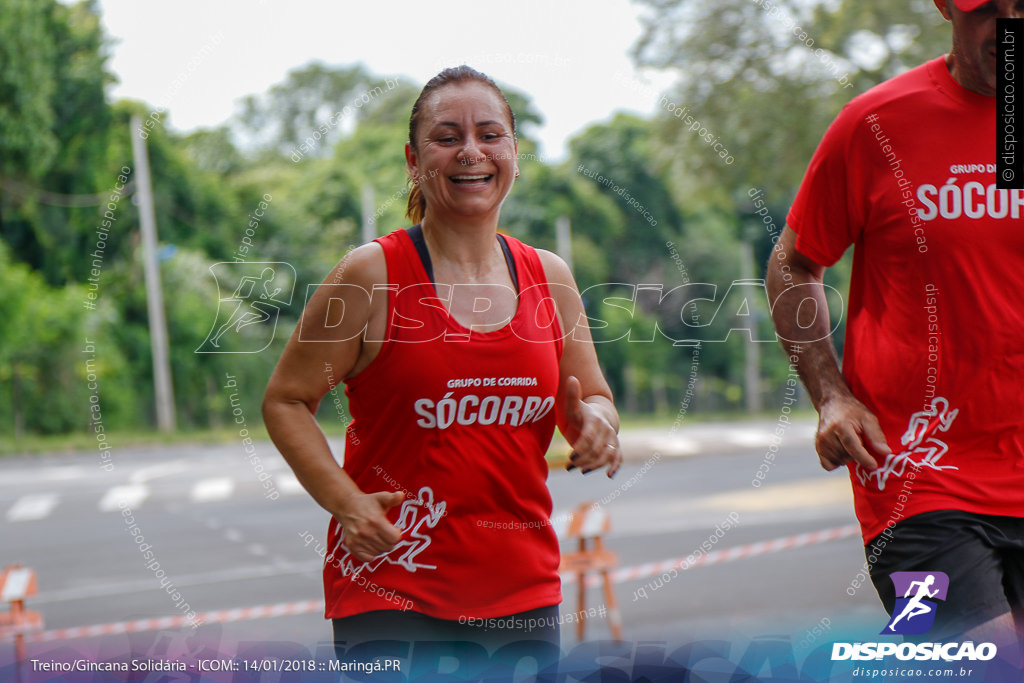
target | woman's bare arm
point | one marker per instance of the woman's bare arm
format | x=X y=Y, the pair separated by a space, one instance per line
x=329 y=342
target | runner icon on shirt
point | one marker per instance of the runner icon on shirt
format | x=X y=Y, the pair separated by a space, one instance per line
x=416 y=517
x=920 y=439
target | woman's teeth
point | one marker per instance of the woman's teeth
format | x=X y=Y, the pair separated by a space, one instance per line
x=471 y=179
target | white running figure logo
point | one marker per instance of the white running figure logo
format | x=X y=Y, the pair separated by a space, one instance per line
x=915 y=607
x=919 y=439
x=249 y=312
x=411 y=519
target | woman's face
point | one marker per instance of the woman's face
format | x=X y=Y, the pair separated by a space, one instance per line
x=465 y=155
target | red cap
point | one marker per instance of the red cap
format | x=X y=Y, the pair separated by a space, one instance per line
x=969 y=5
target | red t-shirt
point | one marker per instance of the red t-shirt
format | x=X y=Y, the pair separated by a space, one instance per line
x=935 y=327
x=460 y=422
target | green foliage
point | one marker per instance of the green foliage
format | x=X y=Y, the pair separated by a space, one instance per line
x=51 y=98
x=544 y=193
x=764 y=80
x=624 y=153
x=41 y=344
x=283 y=117
x=744 y=63
x=27 y=86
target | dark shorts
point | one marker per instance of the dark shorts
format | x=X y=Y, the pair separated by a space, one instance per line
x=422 y=640
x=983 y=555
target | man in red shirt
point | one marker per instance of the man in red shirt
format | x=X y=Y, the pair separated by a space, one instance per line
x=928 y=410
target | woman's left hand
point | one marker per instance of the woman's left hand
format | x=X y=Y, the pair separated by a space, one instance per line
x=593 y=438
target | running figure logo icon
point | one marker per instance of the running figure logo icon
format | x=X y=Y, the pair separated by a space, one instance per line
x=922 y=447
x=914 y=613
x=258 y=291
x=416 y=517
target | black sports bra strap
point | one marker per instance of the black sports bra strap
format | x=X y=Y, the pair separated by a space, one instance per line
x=418 y=241
x=416 y=235
x=509 y=261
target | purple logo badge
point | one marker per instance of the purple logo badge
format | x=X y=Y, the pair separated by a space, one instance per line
x=916 y=596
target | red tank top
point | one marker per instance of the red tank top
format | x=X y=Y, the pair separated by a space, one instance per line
x=459 y=421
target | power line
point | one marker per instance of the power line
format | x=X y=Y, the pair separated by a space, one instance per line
x=71 y=201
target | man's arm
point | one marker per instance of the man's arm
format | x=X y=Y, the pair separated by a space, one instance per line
x=847 y=430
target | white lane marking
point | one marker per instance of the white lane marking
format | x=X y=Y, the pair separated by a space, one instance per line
x=13 y=479
x=130 y=496
x=673 y=445
x=65 y=472
x=161 y=470
x=35 y=506
x=749 y=438
x=288 y=483
x=213 y=489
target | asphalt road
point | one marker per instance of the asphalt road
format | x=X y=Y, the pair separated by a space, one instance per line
x=224 y=545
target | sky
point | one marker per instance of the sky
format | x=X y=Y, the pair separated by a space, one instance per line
x=197 y=58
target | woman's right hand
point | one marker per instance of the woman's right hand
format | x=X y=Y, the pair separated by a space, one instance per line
x=368 y=532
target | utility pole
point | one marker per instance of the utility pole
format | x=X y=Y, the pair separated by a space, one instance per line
x=369 y=227
x=563 y=239
x=154 y=293
x=752 y=366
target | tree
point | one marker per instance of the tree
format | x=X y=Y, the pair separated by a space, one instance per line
x=764 y=78
x=41 y=342
x=27 y=86
x=291 y=111
x=620 y=160
x=52 y=98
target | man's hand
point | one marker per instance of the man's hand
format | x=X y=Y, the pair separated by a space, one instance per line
x=368 y=532
x=849 y=432
x=593 y=439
